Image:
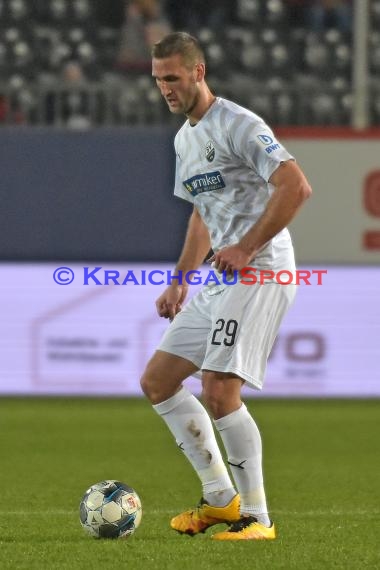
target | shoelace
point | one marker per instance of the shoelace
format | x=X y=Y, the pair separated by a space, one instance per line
x=199 y=506
x=242 y=524
x=201 y=503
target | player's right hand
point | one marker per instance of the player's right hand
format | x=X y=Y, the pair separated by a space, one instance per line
x=170 y=302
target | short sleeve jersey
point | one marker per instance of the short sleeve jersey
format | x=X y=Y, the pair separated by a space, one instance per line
x=223 y=166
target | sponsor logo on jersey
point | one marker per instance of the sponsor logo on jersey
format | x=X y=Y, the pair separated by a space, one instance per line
x=204 y=183
x=272 y=147
x=270 y=144
x=210 y=151
x=265 y=139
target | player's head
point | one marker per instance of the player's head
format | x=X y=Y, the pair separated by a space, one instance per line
x=178 y=66
x=182 y=44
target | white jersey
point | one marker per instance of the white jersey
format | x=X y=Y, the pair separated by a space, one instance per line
x=223 y=165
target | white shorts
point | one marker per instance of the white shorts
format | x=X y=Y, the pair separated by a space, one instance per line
x=232 y=330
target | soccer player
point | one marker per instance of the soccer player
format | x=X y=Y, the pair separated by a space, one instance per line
x=245 y=188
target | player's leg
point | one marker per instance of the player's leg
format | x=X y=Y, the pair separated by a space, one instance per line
x=245 y=323
x=190 y=424
x=242 y=441
x=164 y=374
x=188 y=421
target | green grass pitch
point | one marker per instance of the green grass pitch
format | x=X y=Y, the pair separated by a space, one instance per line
x=322 y=471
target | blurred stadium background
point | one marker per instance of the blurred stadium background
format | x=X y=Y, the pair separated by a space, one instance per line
x=87 y=171
x=279 y=57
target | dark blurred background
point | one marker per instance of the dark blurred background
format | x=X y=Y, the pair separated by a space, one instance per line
x=87 y=62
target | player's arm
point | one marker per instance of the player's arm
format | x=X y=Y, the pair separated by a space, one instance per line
x=291 y=191
x=195 y=249
x=197 y=244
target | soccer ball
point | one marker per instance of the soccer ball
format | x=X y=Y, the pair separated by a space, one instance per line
x=110 y=509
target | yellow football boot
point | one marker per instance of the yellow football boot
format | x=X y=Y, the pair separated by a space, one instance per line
x=204 y=516
x=247 y=528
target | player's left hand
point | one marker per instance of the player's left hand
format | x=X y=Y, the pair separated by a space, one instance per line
x=230 y=259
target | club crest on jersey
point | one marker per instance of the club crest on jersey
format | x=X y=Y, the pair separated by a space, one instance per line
x=204 y=183
x=210 y=151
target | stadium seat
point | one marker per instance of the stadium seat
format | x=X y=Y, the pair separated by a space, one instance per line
x=22 y=55
x=285 y=108
x=253 y=59
x=317 y=58
x=215 y=57
x=248 y=11
x=75 y=35
x=26 y=103
x=214 y=52
x=58 y=10
x=16 y=81
x=340 y=84
x=127 y=110
x=240 y=88
x=280 y=60
x=324 y=108
x=106 y=41
x=261 y=104
x=332 y=36
x=239 y=36
x=17 y=10
x=206 y=36
x=236 y=41
x=12 y=35
x=345 y=107
x=342 y=59
x=60 y=53
x=276 y=84
x=269 y=36
x=275 y=13
x=85 y=53
x=82 y=10
x=44 y=41
x=154 y=106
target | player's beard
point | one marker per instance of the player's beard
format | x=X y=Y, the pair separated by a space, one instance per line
x=193 y=104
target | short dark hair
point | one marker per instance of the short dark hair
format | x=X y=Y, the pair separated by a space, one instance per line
x=180 y=43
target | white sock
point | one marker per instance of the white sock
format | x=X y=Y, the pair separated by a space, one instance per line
x=192 y=428
x=242 y=441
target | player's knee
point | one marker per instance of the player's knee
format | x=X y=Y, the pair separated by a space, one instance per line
x=150 y=386
x=221 y=393
x=154 y=384
x=214 y=404
x=214 y=398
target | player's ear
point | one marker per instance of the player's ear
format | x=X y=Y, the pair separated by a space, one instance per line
x=200 y=70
